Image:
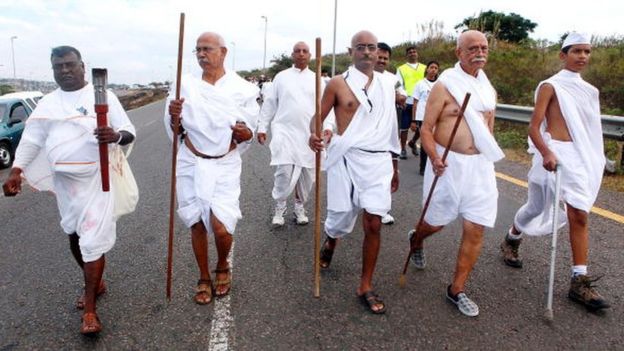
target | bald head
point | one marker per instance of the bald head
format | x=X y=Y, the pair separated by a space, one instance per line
x=212 y=37
x=363 y=33
x=210 y=52
x=301 y=55
x=469 y=35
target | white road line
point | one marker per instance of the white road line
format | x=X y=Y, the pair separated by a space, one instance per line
x=149 y=123
x=222 y=320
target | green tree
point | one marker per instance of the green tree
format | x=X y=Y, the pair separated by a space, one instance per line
x=512 y=28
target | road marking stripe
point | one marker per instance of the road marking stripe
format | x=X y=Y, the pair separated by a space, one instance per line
x=149 y=123
x=597 y=210
x=222 y=319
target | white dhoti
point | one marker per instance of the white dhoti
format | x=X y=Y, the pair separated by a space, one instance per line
x=209 y=186
x=535 y=217
x=467 y=188
x=289 y=178
x=361 y=181
x=59 y=153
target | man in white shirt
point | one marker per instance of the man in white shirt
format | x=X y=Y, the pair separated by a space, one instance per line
x=59 y=152
x=287 y=111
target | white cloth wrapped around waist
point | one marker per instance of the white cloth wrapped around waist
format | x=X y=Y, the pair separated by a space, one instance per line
x=361 y=179
x=535 y=217
x=209 y=186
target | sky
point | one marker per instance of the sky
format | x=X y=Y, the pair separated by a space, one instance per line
x=137 y=40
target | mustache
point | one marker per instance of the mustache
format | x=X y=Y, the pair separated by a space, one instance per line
x=478 y=59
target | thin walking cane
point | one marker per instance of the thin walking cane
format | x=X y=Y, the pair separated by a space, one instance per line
x=553 y=248
x=402 y=278
x=317 y=189
x=174 y=156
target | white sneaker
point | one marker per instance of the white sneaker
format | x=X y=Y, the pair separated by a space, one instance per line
x=300 y=216
x=278 y=218
x=387 y=219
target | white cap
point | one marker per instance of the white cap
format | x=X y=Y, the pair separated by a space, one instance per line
x=575 y=38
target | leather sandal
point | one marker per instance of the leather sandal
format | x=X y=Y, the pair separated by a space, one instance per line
x=203 y=292
x=90 y=324
x=227 y=282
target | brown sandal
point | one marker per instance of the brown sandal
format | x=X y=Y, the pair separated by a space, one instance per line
x=326 y=254
x=203 y=291
x=227 y=282
x=80 y=303
x=90 y=324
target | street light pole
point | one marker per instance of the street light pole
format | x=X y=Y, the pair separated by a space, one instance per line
x=13 y=55
x=233 y=56
x=265 y=40
x=334 y=49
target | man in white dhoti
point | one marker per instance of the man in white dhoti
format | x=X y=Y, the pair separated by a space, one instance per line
x=287 y=110
x=218 y=110
x=467 y=184
x=565 y=131
x=59 y=152
x=360 y=171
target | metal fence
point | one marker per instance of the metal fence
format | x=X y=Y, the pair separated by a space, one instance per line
x=612 y=126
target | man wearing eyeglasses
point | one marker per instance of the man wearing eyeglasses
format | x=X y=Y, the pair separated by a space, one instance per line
x=466 y=184
x=58 y=152
x=360 y=171
x=287 y=109
x=218 y=112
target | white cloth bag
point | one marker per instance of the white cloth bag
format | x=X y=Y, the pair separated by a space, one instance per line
x=124 y=186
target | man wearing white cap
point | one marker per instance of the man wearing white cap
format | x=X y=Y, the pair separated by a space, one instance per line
x=565 y=133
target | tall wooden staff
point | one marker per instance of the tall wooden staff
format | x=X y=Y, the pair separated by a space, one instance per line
x=174 y=155
x=317 y=190
x=433 y=185
x=99 y=77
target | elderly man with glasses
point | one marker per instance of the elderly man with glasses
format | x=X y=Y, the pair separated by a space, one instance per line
x=218 y=112
x=360 y=171
x=466 y=184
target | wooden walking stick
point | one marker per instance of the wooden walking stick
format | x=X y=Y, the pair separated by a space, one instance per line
x=317 y=189
x=174 y=156
x=100 y=80
x=553 y=248
x=402 y=279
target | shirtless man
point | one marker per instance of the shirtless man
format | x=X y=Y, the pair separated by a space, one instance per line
x=360 y=172
x=467 y=184
x=565 y=131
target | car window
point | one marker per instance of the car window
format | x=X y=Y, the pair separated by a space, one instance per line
x=19 y=112
x=3 y=108
x=32 y=104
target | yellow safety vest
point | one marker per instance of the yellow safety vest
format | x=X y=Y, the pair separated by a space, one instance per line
x=411 y=76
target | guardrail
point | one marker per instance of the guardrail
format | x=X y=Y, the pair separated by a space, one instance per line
x=612 y=126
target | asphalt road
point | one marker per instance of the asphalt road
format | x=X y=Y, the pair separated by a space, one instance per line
x=271 y=305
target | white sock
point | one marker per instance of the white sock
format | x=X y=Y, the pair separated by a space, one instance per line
x=281 y=205
x=579 y=270
x=298 y=204
x=513 y=236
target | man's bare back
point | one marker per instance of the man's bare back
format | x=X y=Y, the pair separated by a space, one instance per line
x=339 y=96
x=445 y=110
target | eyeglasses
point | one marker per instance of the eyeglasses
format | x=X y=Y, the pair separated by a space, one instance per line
x=475 y=49
x=69 y=65
x=363 y=47
x=206 y=49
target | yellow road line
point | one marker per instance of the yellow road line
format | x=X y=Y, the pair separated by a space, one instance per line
x=597 y=210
